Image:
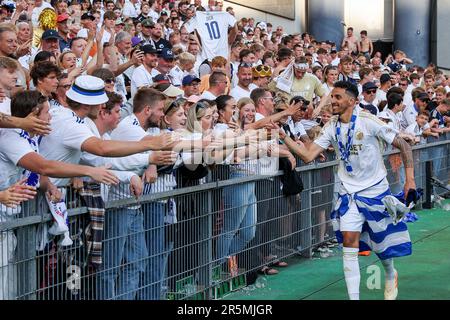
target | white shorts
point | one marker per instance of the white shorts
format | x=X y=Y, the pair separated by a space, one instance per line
x=352 y=220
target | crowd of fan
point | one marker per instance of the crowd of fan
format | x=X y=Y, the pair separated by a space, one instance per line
x=116 y=79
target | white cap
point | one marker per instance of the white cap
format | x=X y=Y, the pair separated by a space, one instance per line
x=173 y=92
x=88 y=90
x=262 y=25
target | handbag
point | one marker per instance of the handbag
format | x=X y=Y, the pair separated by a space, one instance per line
x=291 y=178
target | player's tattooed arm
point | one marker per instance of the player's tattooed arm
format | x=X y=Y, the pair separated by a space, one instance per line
x=405 y=151
x=4 y=118
x=408 y=161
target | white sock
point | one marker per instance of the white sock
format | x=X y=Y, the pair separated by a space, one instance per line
x=389 y=270
x=351 y=272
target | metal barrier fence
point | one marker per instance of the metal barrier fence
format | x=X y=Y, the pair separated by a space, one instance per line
x=198 y=241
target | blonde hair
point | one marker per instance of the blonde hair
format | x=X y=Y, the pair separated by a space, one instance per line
x=185 y=58
x=61 y=57
x=195 y=113
x=314 y=132
x=240 y=104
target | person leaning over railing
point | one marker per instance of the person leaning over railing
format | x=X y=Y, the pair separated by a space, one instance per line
x=19 y=150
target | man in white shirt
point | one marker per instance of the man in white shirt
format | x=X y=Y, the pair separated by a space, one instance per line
x=124 y=229
x=129 y=9
x=217 y=86
x=363 y=186
x=385 y=85
x=245 y=85
x=369 y=101
x=143 y=75
x=70 y=136
x=148 y=105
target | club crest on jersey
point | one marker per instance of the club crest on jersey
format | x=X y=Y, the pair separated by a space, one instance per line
x=359 y=135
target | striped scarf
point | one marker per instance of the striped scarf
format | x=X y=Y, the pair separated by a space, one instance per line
x=379 y=234
x=92 y=199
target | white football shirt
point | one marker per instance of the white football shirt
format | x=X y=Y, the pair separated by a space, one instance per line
x=64 y=141
x=366 y=155
x=213 y=30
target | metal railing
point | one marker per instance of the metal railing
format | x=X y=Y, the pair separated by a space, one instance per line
x=229 y=225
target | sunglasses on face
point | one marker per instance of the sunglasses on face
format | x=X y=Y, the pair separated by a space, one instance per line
x=371 y=91
x=109 y=80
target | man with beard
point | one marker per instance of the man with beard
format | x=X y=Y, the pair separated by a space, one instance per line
x=143 y=75
x=245 y=85
x=360 y=217
x=148 y=106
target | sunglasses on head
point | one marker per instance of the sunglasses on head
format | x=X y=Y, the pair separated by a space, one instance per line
x=175 y=104
x=199 y=105
x=245 y=65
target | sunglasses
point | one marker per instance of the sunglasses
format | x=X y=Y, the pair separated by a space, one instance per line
x=198 y=106
x=245 y=65
x=110 y=80
x=175 y=104
x=371 y=91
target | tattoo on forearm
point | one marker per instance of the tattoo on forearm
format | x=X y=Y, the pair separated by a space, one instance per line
x=405 y=151
x=4 y=117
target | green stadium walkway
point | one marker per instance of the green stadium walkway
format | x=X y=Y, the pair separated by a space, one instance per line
x=422 y=276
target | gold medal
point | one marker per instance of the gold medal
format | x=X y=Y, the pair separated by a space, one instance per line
x=359 y=135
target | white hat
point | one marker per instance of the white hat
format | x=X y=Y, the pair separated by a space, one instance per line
x=173 y=92
x=88 y=90
x=262 y=25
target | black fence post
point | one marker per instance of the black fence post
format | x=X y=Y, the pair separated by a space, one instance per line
x=428 y=185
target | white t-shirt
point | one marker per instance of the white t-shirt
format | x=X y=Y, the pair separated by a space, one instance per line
x=213 y=29
x=5 y=106
x=366 y=155
x=208 y=95
x=296 y=128
x=416 y=131
x=129 y=10
x=238 y=92
x=13 y=147
x=381 y=95
x=141 y=77
x=65 y=140
x=129 y=129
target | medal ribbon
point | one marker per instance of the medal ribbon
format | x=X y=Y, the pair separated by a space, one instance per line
x=345 y=150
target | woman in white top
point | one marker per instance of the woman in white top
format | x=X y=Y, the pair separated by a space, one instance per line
x=330 y=76
x=239 y=218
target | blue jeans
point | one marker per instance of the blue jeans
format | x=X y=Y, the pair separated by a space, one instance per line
x=152 y=279
x=239 y=219
x=124 y=253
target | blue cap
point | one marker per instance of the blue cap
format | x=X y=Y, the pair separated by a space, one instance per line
x=187 y=80
x=166 y=54
x=148 y=48
x=50 y=34
x=368 y=86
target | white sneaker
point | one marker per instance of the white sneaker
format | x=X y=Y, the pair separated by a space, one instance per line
x=391 y=288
